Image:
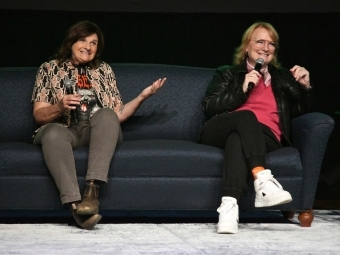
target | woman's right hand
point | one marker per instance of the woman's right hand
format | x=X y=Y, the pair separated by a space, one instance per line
x=45 y=113
x=253 y=76
x=69 y=102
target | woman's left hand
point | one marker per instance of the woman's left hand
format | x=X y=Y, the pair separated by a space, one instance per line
x=152 y=89
x=301 y=75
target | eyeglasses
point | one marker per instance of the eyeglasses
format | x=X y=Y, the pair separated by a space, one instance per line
x=261 y=43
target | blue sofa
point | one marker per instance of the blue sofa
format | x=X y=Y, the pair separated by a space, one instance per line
x=160 y=165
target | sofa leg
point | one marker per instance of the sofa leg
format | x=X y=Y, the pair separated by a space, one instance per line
x=306 y=218
x=288 y=214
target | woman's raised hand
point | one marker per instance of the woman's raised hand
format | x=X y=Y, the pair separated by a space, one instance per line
x=301 y=75
x=152 y=89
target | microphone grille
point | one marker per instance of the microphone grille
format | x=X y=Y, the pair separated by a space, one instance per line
x=68 y=83
x=260 y=61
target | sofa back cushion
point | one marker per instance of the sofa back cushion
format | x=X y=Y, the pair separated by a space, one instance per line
x=175 y=112
x=16 y=121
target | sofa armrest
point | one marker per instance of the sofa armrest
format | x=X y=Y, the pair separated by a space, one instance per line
x=310 y=134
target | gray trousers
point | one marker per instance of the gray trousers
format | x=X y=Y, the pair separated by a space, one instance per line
x=102 y=133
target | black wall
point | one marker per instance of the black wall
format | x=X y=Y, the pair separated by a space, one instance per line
x=179 y=6
x=29 y=38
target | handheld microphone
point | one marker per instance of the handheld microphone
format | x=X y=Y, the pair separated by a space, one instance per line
x=258 y=65
x=69 y=91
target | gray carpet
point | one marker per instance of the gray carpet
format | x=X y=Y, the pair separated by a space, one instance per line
x=194 y=238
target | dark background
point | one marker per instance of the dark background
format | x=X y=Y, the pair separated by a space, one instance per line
x=197 y=33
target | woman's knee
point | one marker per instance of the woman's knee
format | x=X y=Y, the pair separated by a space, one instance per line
x=234 y=142
x=53 y=132
x=246 y=114
x=246 y=117
x=105 y=115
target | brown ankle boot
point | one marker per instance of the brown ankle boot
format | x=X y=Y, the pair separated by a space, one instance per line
x=90 y=204
x=84 y=221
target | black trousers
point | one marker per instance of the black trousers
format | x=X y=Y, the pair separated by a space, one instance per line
x=245 y=142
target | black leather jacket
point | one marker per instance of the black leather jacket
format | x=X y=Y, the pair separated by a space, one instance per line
x=225 y=94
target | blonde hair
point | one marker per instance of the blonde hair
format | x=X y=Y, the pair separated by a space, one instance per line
x=240 y=52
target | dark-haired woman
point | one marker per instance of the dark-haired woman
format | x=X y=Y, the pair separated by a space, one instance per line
x=248 y=121
x=90 y=116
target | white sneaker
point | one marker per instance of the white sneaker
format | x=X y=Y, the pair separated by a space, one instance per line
x=228 y=218
x=269 y=191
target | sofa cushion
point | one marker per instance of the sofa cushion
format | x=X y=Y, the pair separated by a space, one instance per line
x=17 y=123
x=145 y=158
x=175 y=111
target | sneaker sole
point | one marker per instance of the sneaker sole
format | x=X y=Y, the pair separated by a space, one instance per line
x=282 y=200
x=226 y=230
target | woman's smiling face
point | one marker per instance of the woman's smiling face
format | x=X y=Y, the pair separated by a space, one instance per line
x=260 y=45
x=84 y=50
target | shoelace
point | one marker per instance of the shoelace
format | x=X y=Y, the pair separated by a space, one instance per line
x=225 y=208
x=266 y=178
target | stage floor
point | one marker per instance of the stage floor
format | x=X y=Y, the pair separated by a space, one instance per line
x=260 y=232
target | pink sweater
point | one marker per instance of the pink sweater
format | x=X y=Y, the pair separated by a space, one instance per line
x=261 y=101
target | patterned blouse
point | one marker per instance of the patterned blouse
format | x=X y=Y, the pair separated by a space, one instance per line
x=49 y=85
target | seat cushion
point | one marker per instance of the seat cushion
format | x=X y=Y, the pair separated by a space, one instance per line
x=145 y=158
x=285 y=162
x=177 y=170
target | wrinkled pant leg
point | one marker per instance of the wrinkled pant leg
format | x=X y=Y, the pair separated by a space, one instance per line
x=219 y=128
x=235 y=173
x=57 y=142
x=105 y=134
x=241 y=137
x=236 y=166
x=251 y=136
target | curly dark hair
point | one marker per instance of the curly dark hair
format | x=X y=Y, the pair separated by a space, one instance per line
x=77 y=31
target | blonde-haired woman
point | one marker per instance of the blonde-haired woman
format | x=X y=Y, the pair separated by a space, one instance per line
x=249 y=112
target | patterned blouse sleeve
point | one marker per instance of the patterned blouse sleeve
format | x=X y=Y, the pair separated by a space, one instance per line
x=43 y=91
x=111 y=79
